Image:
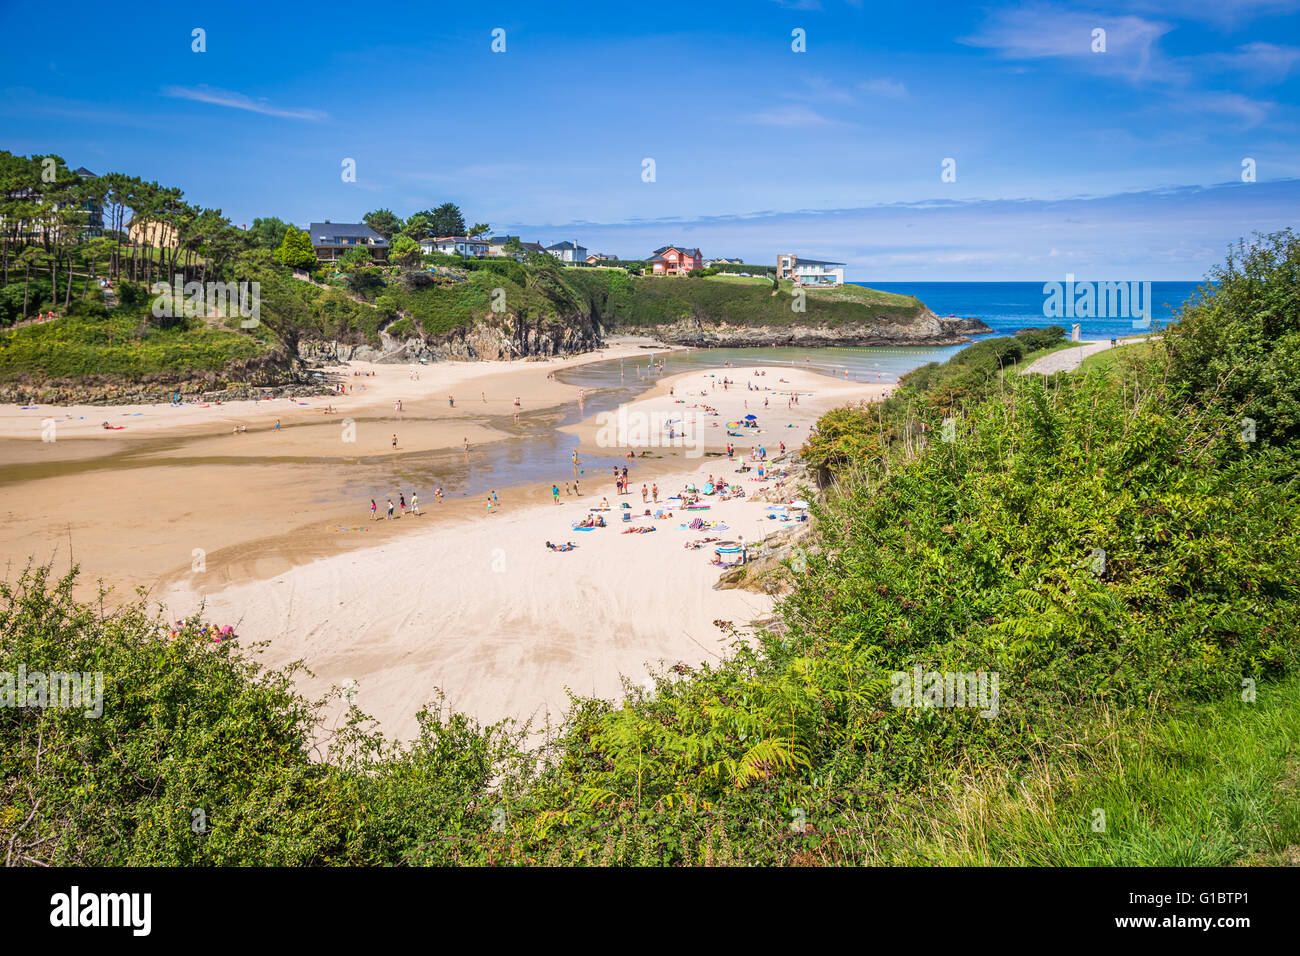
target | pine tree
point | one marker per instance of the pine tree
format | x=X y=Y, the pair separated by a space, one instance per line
x=296 y=250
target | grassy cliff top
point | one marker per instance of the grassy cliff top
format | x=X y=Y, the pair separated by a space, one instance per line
x=627 y=301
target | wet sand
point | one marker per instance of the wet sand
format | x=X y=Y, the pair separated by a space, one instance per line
x=132 y=506
x=462 y=598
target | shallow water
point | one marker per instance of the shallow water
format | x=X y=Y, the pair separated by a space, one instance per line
x=536 y=453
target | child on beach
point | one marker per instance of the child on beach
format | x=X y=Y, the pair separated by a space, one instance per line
x=555 y=493
x=374 y=510
x=390 y=509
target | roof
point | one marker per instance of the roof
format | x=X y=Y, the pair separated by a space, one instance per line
x=682 y=249
x=566 y=244
x=321 y=232
x=801 y=261
x=501 y=240
x=454 y=239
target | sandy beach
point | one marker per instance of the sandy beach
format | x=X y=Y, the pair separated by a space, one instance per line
x=463 y=598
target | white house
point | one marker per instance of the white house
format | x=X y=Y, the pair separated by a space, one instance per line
x=810 y=272
x=567 y=251
x=455 y=246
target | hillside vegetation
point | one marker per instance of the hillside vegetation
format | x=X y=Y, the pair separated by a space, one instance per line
x=1109 y=544
x=629 y=302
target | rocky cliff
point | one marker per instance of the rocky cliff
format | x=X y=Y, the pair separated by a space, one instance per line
x=923 y=328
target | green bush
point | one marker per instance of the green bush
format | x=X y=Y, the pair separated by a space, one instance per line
x=1237 y=344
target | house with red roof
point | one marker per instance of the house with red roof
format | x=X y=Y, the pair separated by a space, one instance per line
x=675 y=261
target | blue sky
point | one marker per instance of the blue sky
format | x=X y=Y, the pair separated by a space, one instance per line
x=1122 y=164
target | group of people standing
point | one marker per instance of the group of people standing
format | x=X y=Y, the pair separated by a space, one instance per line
x=401 y=507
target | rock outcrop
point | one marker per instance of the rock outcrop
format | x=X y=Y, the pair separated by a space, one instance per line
x=922 y=328
x=483 y=341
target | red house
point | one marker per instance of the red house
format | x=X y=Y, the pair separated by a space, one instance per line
x=675 y=261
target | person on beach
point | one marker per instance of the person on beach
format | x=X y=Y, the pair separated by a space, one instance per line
x=654 y=491
x=390 y=509
x=467 y=446
x=277 y=424
x=555 y=493
x=451 y=402
x=645 y=495
x=374 y=510
x=394 y=443
x=576 y=489
x=484 y=397
x=415 y=504
x=401 y=500
x=495 y=500
x=437 y=495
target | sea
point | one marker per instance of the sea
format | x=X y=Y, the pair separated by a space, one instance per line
x=538 y=451
x=1006 y=307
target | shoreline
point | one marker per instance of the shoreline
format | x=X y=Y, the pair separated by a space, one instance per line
x=462 y=598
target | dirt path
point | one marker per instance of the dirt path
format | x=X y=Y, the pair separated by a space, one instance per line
x=1067 y=360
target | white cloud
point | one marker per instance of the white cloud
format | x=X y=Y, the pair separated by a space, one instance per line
x=1040 y=31
x=238 y=101
x=883 y=86
x=1267 y=62
x=792 y=116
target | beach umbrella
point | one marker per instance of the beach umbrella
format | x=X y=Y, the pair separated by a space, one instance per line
x=751 y=418
x=798 y=504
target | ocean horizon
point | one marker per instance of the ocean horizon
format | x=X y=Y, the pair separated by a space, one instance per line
x=1008 y=306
